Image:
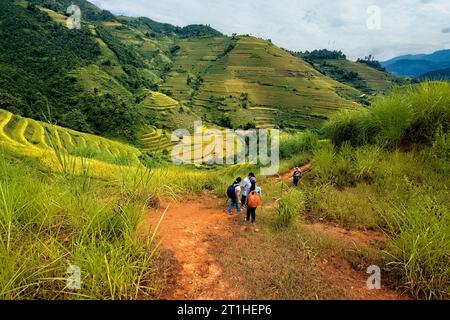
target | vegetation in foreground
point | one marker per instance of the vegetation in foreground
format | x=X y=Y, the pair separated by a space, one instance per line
x=50 y=220
x=388 y=168
x=384 y=168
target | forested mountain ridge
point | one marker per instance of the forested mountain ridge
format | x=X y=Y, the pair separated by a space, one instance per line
x=365 y=75
x=420 y=65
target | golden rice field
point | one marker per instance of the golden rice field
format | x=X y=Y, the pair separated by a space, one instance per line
x=48 y=142
x=201 y=151
x=158 y=101
x=282 y=90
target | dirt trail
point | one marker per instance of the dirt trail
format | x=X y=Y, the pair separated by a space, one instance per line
x=336 y=270
x=191 y=230
x=287 y=176
x=194 y=229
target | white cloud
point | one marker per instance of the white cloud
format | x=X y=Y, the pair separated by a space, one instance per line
x=407 y=26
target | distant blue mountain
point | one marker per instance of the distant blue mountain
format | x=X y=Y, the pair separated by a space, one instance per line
x=442 y=74
x=418 y=65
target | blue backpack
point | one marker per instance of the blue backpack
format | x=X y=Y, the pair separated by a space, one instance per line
x=231 y=191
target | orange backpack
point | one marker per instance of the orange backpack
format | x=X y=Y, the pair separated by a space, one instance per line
x=254 y=200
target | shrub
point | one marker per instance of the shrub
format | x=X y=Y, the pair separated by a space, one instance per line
x=393 y=116
x=355 y=127
x=324 y=160
x=290 y=207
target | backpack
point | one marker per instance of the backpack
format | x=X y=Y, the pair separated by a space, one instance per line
x=231 y=191
x=254 y=200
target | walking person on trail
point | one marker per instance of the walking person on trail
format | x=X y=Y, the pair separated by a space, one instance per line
x=246 y=185
x=297 y=176
x=253 y=202
x=233 y=193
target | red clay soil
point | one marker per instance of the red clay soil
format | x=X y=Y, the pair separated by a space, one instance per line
x=194 y=229
x=338 y=272
x=190 y=230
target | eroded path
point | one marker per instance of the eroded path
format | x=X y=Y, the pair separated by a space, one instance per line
x=190 y=231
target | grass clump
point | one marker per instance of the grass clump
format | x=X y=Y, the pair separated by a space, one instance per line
x=420 y=246
x=291 y=207
x=298 y=143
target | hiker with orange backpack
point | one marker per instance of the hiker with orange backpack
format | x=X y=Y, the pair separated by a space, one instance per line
x=253 y=202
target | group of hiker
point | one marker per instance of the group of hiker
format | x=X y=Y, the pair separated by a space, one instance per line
x=246 y=194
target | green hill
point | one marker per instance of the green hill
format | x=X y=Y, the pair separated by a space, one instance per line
x=119 y=76
x=442 y=74
x=359 y=75
x=261 y=83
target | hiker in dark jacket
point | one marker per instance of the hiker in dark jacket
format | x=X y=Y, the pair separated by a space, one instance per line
x=233 y=193
x=297 y=176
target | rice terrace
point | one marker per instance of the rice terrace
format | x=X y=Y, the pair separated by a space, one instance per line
x=141 y=160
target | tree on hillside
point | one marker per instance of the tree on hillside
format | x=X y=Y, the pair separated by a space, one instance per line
x=370 y=61
x=322 y=54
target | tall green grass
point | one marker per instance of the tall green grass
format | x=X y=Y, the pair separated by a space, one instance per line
x=298 y=143
x=346 y=165
x=388 y=167
x=407 y=116
x=420 y=245
x=48 y=222
x=291 y=207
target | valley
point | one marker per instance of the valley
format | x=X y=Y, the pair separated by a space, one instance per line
x=90 y=119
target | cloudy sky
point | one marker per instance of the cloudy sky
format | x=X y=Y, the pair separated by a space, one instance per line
x=385 y=28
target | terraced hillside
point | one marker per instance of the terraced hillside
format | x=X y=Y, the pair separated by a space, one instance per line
x=156 y=140
x=42 y=140
x=157 y=101
x=200 y=147
x=371 y=80
x=38 y=138
x=190 y=61
x=259 y=82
